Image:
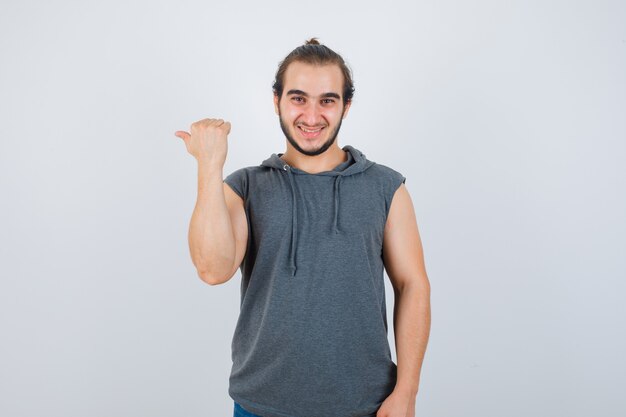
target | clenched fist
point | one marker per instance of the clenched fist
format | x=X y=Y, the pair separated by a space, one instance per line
x=207 y=141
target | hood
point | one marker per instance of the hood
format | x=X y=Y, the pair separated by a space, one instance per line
x=357 y=162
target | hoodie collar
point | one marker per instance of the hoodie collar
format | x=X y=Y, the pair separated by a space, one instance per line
x=356 y=163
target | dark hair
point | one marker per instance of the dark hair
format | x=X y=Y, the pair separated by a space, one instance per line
x=312 y=52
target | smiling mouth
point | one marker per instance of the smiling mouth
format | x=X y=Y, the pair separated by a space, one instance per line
x=310 y=133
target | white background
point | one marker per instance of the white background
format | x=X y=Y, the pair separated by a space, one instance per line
x=508 y=119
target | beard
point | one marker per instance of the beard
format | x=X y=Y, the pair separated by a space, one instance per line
x=320 y=150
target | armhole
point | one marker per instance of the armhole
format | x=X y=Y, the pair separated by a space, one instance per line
x=396 y=181
x=235 y=189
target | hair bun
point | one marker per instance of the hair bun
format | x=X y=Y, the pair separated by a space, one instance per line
x=312 y=41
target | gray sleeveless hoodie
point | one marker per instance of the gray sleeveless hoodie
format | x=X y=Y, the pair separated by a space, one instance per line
x=311 y=338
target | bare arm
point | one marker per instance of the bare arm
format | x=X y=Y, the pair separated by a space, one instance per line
x=404 y=262
x=211 y=237
x=218 y=230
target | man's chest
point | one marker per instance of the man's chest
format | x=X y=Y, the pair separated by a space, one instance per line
x=349 y=207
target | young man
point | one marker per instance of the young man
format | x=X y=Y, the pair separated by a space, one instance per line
x=312 y=230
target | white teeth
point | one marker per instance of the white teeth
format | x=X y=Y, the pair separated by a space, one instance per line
x=310 y=131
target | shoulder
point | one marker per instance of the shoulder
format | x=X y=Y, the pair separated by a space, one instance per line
x=239 y=179
x=255 y=177
x=388 y=180
x=388 y=177
x=245 y=172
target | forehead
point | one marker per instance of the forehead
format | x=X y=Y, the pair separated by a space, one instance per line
x=313 y=79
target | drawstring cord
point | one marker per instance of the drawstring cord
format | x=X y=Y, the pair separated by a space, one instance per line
x=294 y=215
x=337 y=178
x=294 y=220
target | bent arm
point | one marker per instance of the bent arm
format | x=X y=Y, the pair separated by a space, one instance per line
x=212 y=235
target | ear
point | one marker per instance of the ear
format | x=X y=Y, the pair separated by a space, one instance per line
x=346 y=107
x=276 y=104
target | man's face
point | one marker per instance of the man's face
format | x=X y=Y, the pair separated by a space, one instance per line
x=311 y=108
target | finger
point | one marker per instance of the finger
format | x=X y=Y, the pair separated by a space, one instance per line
x=226 y=126
x=182 y=134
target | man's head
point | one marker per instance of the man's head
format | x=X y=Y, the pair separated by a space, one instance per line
x=313 y=92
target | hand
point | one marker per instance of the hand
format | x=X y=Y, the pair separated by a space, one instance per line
x=207 y=141
x=397 y=405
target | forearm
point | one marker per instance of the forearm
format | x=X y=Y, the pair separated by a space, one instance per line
x=411 y=331
x=211 y=238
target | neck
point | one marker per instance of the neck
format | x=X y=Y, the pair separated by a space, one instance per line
x=314 y=164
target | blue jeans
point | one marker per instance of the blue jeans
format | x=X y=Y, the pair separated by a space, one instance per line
x=240 y=412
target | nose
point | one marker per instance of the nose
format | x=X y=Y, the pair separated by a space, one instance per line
x=312 y=115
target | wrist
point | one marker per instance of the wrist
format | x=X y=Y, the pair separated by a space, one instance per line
x=406 y=390
x=207 y=166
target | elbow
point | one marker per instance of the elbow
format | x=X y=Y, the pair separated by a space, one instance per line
x=214 y=272
x=212 y=278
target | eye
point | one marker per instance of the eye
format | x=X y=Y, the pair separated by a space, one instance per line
x=328 y=101
x=298 y=99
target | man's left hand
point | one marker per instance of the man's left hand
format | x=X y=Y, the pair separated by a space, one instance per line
x=397 y=405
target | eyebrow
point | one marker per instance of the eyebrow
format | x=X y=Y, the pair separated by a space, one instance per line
x=302 y=93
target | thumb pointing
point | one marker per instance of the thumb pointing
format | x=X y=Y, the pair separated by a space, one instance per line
x=183 y=135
